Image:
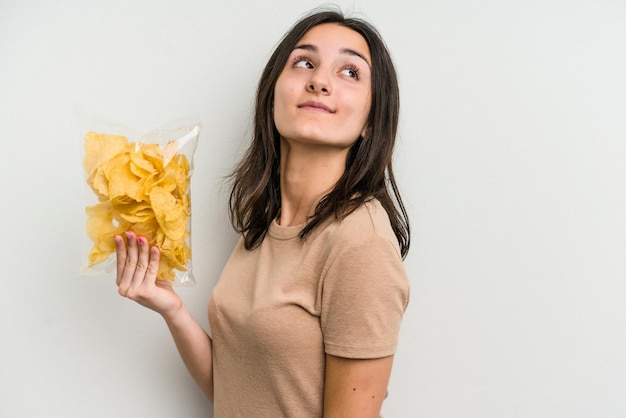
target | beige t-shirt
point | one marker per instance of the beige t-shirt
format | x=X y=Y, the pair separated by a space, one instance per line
x=277 y=310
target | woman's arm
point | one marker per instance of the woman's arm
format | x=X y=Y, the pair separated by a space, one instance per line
x=195 y=348
x=137 y=267
x=355 y=388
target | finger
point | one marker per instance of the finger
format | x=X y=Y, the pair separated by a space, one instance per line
x=143 y=259
x=150 y=279
x=120 y=251
x=153 y=267
x=130 y=263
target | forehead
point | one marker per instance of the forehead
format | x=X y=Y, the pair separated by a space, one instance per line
x=333 y=37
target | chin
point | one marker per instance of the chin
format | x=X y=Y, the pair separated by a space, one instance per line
x=317 y=137
x=331 y=143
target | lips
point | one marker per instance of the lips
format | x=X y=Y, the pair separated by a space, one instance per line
x=313 y=105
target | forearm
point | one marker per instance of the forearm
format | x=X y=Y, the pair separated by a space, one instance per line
x=195 y=348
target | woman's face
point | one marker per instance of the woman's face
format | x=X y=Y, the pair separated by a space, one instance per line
x=323 y=95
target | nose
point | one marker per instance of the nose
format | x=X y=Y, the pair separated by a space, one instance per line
x=318 y=83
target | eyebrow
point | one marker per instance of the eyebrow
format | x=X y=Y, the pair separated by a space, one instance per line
x=347 y=51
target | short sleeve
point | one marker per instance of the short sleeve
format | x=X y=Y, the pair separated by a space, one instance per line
x=365 y=292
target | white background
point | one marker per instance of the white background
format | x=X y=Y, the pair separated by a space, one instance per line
x=511 y=157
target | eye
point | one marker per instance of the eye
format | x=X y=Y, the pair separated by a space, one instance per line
x=351 y=71
x=301 y=62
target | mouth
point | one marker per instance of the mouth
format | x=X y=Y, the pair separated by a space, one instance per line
x=317 y=106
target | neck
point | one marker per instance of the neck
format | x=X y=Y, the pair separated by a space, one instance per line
x=307 y=173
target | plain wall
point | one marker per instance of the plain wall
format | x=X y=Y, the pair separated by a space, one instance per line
x=511 y=156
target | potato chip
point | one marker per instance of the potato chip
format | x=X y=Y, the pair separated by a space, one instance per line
x=134 y=212
x=140 y=166
x=170 y=213
x=141 y=187
x=101 y=227
x=99 y=183
x=100 y=148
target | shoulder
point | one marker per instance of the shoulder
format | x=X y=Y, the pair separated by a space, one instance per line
x=367 y=225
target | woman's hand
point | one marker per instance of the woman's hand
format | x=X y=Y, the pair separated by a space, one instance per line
x=137 y=267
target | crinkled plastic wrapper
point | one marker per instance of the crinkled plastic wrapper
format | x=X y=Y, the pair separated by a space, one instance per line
x=139 y=183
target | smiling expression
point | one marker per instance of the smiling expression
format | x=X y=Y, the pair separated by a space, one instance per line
x=323 y=95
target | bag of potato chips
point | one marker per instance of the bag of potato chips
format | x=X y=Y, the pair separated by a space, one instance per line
x=139 y=183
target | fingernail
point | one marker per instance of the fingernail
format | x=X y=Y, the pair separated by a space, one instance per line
x=140 y=240
x=128 y=234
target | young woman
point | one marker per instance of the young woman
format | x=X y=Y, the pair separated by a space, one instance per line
x=306 y=314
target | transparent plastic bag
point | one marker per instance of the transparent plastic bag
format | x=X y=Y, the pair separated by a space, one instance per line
x=139 y=183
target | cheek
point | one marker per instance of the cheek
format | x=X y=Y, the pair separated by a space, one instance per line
x=279 y=112
x=365 y=109
x=281 y=94
x=278 y=97
x=285 y=97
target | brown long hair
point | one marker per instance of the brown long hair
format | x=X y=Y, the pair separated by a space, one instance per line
x=255 y=197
